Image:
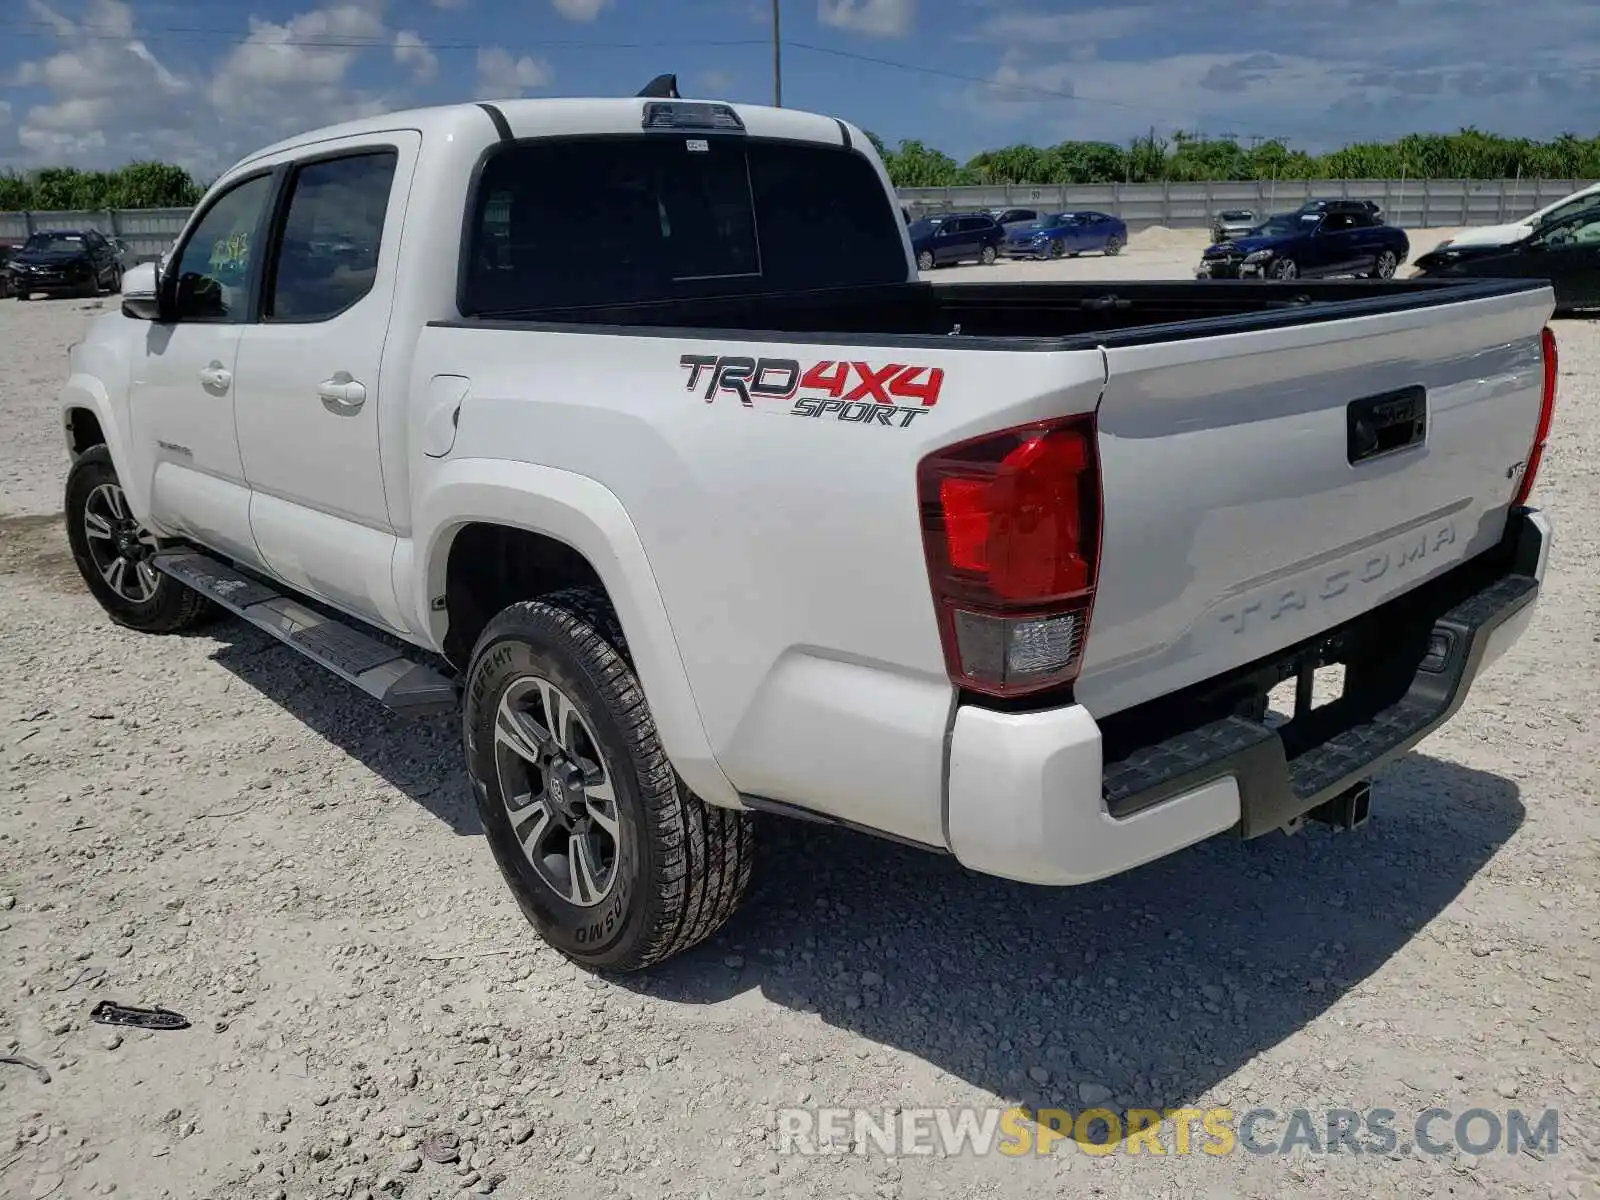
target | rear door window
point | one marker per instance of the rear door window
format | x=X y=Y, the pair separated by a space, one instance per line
x=635 y=218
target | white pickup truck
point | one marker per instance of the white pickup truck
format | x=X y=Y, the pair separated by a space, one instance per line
x=628 y=426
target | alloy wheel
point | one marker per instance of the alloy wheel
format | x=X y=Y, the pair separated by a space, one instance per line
x=120 y=549
x=557 y=791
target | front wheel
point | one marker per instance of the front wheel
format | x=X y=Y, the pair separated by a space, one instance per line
x=987 y=256
x=1113 y=247
x=113 y=553
x=611 y=858
x=1285 y=268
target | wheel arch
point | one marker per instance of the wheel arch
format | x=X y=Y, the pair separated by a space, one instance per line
x=581 y=525
x=88 y=419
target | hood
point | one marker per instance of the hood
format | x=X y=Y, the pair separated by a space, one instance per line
x=1249 y=245
x=1490 y=235
x=1442 y=256
x=52 y=257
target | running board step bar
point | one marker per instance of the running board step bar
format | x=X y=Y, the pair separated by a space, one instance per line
x=380 y=670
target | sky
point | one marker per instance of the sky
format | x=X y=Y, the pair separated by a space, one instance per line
x=97 y=83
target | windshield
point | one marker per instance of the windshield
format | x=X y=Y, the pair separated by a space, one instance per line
x=1571 y=208
x=54 y=241
x=1285 y=224
x=1049 y=222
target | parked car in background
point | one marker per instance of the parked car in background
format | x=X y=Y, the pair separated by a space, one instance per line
x=1339 y=204
x=7 y=249
x=955 y=237
x=1310 y=244
x=1566 y=252
x=126 y=257
x=1066 y=234
x=1015 y=216
x=1234 y=222
x=61 y=261
x=1582 y=201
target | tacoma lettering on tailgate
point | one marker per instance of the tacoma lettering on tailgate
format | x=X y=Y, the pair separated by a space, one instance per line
x=864 y=393
x=1414 y=551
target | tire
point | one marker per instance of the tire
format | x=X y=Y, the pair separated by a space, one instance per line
x=94 y=496
x=675 y=869
x=1285 y=268
x=987 y=256
x=1385 y=266
x=1057 y=249
x=1113 y=247
x=925 y=260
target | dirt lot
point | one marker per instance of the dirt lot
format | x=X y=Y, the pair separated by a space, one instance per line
x=210 y=824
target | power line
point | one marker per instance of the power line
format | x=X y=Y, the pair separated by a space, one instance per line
x=342 y=42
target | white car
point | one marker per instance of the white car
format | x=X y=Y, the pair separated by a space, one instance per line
x=1505 y=235
x=703 y=505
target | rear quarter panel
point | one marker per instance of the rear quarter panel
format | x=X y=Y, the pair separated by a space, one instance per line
x=787 y=548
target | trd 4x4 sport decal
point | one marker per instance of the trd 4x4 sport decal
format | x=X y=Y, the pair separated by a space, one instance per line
x=846 y=391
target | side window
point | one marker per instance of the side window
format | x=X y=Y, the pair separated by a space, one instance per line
x=327 y=256
x=212 y=270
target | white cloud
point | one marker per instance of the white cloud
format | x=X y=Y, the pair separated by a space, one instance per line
x=580 y=10
x=1380 y=68
x=880 y=18
x=502 y=74
x=716 y=82
x=110 y=98
x=411 y=51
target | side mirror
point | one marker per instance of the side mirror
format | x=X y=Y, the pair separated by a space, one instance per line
x=141 y=286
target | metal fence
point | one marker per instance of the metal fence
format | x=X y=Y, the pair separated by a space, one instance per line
x=1418 y=204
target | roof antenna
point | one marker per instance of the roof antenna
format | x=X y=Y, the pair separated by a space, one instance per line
x=662 y=87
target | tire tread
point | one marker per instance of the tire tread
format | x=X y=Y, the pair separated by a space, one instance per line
x=704 y=853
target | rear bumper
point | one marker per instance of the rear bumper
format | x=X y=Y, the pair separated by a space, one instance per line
x=1031 y=796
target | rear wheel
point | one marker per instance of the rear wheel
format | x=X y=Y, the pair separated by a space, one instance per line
x=610 y=856
x=987 y=256
x=1113 y=247
x=925 y=261
x=1385 y=266
x=113 y=553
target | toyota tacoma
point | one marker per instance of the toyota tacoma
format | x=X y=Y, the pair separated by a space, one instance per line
x=706 y=506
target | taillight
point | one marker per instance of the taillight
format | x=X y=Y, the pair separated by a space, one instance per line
x=1547 y=411
x=1011 y=526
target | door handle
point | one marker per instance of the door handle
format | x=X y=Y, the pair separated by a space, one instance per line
x=216 y=377
x=342 y=395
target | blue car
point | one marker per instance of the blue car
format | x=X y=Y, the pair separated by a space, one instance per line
x=1334 y=241
x=1066 y=234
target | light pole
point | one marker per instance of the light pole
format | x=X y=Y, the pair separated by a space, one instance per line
x=777 y=60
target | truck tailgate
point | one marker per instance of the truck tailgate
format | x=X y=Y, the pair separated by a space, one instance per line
x=1262 y=486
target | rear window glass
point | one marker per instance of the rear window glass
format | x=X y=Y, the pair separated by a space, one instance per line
x=621 y=220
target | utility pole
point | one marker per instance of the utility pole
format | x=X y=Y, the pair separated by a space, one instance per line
x=777 y=59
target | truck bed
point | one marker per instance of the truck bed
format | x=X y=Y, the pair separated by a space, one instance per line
x=1014 y=316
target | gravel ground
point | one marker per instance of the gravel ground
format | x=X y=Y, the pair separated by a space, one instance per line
x=208 y=823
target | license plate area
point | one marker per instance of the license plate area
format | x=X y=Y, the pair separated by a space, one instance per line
x=1376 y=426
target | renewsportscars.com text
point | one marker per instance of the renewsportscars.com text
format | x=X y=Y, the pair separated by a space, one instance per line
x=1013 y=1132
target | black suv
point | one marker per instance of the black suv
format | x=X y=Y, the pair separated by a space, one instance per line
x=61 y=261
